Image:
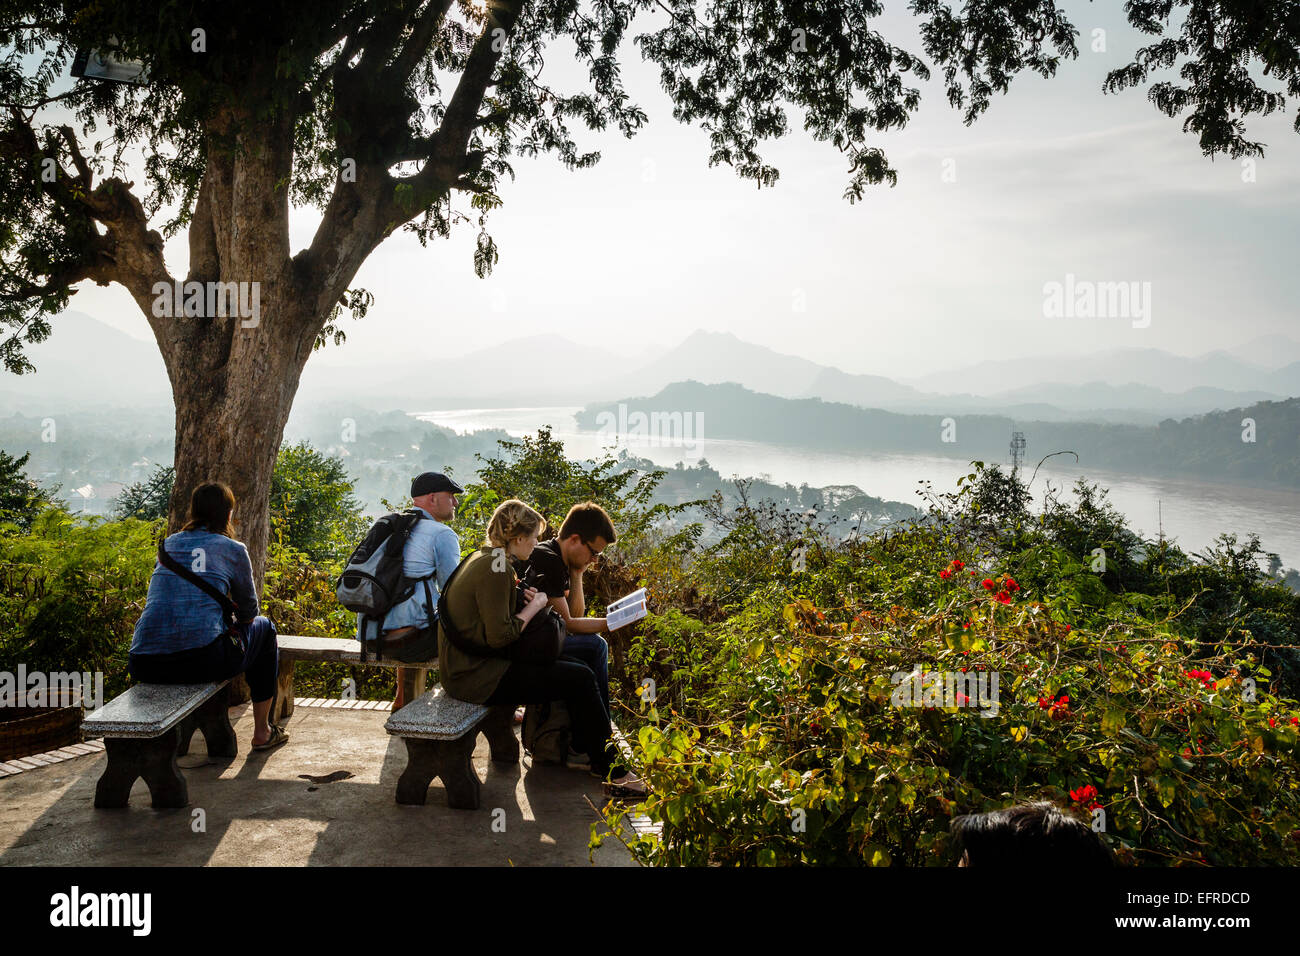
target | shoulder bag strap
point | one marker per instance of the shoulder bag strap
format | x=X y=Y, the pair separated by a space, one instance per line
x=453 y=634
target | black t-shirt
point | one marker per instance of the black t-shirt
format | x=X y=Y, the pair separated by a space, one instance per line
x=547 y=564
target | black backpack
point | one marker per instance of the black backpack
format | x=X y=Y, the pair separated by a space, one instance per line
x=547 y=734
x=373 y=582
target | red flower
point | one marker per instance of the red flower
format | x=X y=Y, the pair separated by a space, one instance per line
x=1060 y=709
x=815 y=727
x=1272 y=722
x=1067 y=627
x=1044 y=703
x=987 y=584
x=1011 y=584
x=958 y=564
x=1002 y=596
x=1295 y=721
x=945 y=574
x=962 y=699
x=972 y=574
x=1087 y=792
x=1086 y=795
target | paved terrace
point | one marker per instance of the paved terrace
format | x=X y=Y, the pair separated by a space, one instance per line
x=260 y=811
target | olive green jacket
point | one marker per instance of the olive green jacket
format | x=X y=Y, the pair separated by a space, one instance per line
x=481 y=603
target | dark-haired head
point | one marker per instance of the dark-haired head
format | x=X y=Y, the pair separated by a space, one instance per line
x=211 y=505
x=1027 y=835
x=588 y=521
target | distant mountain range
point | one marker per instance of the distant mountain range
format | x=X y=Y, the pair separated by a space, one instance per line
x=1151 y=368
x=1208 y=447
x=88 y=363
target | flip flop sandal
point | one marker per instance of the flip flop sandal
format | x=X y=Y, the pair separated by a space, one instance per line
x=278 y=738
x=618 y=792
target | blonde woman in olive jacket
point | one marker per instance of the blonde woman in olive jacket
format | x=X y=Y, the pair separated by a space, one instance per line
x=481 y=604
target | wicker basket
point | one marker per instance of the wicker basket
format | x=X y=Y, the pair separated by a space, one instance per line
x=34 y=730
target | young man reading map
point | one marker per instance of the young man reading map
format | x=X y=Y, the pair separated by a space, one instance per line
x=557 y=566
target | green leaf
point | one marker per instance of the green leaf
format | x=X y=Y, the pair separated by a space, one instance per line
x=1113 y=721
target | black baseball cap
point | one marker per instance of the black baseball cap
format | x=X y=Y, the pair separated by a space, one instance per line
x=431 y=481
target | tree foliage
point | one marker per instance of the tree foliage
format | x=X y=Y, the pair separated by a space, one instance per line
x=313 y=509
x=428 y=99
x=537 y=471
x=21 y=499
x=147 y=499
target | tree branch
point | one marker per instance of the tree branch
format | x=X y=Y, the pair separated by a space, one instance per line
x=205 y=257
x=128 y=252
x=447 y=159
x=381 y=38
x=83 y=169
x=417 y=44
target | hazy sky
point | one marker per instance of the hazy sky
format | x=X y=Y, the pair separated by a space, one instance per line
x=1056 y=178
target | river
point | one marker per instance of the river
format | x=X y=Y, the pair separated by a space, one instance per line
x=1191 y=512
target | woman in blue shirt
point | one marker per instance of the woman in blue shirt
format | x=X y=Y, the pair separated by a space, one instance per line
x=184 y=637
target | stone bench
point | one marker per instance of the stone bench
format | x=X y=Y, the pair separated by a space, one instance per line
x=332 y=649
x=440 y=732
x=147 y=728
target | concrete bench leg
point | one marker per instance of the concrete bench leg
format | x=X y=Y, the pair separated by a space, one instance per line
x=452 y=760
x=283 y=693
x=499 y=729
x=410 y=685
x=213 y=721
x=153 y=758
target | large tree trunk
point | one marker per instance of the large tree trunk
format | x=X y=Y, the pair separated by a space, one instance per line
x=229 y=423
x=228 y=429
x=233 y=382
x=233 y=378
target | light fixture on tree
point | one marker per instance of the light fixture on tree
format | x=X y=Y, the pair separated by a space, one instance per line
x=105 y=64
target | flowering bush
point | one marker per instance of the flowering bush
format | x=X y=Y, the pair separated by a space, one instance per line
x=787 y=749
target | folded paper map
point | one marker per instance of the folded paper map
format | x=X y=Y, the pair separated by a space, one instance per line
x=626 y=610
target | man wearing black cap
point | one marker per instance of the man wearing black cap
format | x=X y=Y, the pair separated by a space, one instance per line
x=432 y=553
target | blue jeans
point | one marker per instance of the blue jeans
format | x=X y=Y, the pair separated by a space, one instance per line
x=592 y=650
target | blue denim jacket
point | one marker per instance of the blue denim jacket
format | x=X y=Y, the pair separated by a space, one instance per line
x=432 y=548
x=177 y=615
